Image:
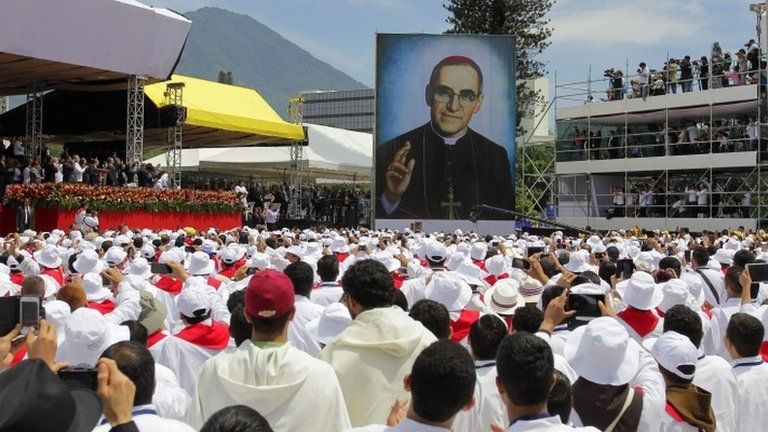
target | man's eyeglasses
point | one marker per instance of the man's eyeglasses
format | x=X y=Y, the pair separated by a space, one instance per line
x=445 y=94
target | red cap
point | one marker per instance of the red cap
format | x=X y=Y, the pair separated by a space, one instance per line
x=269 y=295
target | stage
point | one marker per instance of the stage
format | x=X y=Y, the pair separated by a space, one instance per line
x=49 y=219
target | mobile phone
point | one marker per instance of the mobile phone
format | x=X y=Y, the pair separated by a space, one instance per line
x=80 y=377
x=758 y=272
x=158 y=268
x=29 y=313
x=687 y=255
x=520 y=263
x=585 y=305
x=9 y=314
x=533 y=250
x=754 y=290
x=586 y=308
x=670 y=251
x=625 y=268
x=105 y=281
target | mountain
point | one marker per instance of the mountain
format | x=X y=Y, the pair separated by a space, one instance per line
x=257 y=56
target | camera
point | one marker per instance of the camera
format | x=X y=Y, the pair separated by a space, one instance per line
x=609 y=73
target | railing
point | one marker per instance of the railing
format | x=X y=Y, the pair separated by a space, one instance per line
x=720 y=204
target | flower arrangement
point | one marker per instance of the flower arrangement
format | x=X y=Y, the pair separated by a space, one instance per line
x=70 y=196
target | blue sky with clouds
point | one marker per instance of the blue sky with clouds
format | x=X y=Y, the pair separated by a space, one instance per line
x=587 y=32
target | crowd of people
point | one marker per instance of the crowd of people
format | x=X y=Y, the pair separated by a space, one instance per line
x=687 y=137
x=683 y=200
x=352 y=329
x=19 y=166
x=720 y=69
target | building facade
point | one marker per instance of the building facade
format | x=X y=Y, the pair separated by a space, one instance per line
x=345 y=109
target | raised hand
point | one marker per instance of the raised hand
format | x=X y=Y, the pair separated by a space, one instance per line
x=399 y=174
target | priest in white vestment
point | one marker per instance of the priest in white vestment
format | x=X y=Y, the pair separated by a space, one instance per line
x=372 y=356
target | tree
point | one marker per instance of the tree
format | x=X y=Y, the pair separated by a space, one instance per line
x=526 y=20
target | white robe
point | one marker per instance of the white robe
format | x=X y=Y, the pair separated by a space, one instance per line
x=170 y=399
x=292 y=390
x=751 y=378
x=182 y=357
x=713 y=342
x=715 y=375
x=326 y=294
x=147 y=420
x=371 y=357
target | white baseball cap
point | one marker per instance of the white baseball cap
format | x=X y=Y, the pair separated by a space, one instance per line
x=675 y=353
x=192 y=299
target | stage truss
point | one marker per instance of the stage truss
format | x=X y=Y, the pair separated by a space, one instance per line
x=296 y=112
x=174 y=96
x=34 y=125
x=134 y=130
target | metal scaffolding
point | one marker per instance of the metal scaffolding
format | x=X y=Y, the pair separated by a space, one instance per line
x=174 y=96
x=295 y=110
x=34 y=125
x=134 y=129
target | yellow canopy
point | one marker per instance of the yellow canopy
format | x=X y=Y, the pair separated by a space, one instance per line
x=223 y=114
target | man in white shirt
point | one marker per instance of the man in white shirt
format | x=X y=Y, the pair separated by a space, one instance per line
x=268 y=374
x=721 y=315
x=702 y=196
x=713 y=373
x=526 y=372
x=372 y=356
x=329 y=291
x=485 y=336
x=644 y=77
x=743 y=339
x=302 y=276
x=714 y=280
x=135 y=361
x=441 y=384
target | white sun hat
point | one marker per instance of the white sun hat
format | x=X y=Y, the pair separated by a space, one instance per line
x=449 y=290
x=200 y=264
x=115 y=256
x=470 y=273
x=140 y=267
x=94 y=289
x=48 y=256
x=496 y=265
x=603 y=353
x=675 y=292
x=642 y=292
x=334 y=320
x=88 y=334
x=88 y=261
x=478 y=251
x=578 y=262
x=504 y=297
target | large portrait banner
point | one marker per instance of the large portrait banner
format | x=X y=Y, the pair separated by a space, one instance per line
x=445 y=125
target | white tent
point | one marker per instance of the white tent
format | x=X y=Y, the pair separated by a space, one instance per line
x=85 y=42
x=331 y=153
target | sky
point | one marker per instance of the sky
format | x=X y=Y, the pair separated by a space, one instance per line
x=596 y=33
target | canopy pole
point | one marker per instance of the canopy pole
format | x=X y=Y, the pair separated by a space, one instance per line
x=174 y=96
x=34 y=127
x=134 y=129
x=296 y=111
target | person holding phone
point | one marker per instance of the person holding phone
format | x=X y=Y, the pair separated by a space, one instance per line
x=736 y=280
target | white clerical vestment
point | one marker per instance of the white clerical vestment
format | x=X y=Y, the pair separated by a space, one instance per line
x=715 y=375
x=371 y=357
x=292 y=390
x=751 y=378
